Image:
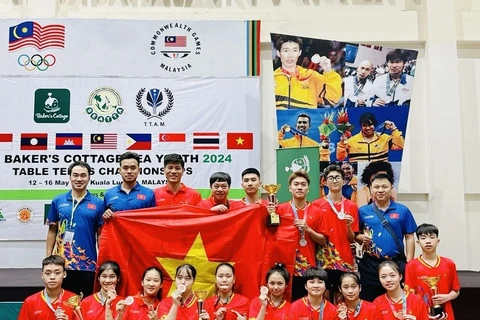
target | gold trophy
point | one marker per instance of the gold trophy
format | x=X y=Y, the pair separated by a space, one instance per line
x=432 y=282
x=74 y=302
x=273 y=219
x=201 y=295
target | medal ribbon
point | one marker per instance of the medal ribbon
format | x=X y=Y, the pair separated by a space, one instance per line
x=49 y=303
x=342 y=208
x=320 y=313
x=295 y=213
x=356 y=312
x=358 y=88
x=404 y=304
x=289 y=74
x=391 y=91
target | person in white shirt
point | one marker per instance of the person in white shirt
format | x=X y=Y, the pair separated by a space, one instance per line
x=357 y=88
x=395 y=87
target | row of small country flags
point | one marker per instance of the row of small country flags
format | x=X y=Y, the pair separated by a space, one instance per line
x=133 y=141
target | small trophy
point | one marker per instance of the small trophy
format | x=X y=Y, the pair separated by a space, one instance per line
x=74 y=302
x=200 y=294
x=273 y=219
x=432 y=282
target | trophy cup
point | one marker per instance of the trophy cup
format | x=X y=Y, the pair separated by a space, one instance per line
x=200 y=294
x=74 y=302
x=273 y=219
x=432 y=282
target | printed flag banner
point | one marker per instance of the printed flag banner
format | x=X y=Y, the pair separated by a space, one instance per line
x=196 y=236
x=98 y=119
x=142 y=48
x=294 y=159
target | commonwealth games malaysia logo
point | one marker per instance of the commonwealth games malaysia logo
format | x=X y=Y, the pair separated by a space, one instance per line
x=178 y=43
x=32 y=34
x=104 y=105
x=154 y=99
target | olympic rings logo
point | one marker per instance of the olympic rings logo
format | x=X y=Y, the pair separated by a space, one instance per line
x=36 y=61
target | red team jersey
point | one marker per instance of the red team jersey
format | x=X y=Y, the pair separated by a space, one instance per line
x=414 y=306
x=301 y=310
x=337 y=254
x=368 y=311
x=139 y=309
x=35 y=307
x=417 y=272
x=237 y=302
x=92 y=308
x=210 y=203
x=272 y=312
x=305 y=256
x=186 y=312
x=185 y=195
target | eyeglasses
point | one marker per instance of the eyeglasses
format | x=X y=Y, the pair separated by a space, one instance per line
x=334 y=178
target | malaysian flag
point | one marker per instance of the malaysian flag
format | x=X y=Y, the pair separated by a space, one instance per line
x=103 y=141
x=30 y=33
x=175 y=41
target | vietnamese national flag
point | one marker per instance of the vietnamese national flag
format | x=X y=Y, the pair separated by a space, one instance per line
x=240 y=140
x=167 y=237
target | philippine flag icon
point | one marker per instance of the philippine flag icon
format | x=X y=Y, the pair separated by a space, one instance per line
x=138 y=141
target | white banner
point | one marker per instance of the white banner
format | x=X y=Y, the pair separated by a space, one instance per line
x=48 y=123
x=129 y=48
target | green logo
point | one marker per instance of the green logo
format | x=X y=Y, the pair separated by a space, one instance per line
x=52 y=106
x=2 y=218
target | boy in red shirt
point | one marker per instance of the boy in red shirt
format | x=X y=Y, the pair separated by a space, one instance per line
x=251 y=183
x=430 y=270
x=175 y=192
x=49 y=304
x=341 y=215
x=312 y=229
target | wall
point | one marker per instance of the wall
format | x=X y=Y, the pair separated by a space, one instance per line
x=440 y=172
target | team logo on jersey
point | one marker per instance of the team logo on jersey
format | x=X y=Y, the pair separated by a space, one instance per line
x=177 y=44
x=104 y=105
x=154 y=99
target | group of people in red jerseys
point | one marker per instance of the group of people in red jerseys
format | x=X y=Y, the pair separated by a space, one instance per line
x=323 y=284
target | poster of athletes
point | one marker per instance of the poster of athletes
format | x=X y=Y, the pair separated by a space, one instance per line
x=350 y=100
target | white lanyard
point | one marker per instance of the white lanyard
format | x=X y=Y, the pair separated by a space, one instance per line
x=341 y=214
x=74 y=207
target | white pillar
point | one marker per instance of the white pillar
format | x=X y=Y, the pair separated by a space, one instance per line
x=444 y=136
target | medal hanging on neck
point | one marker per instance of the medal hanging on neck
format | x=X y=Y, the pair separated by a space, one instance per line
x=357 y=310
x=391 y=90
x=59 y=310
x=320 y=310
x=341 y=214
x=398 y=315
x=358 y=85
x=303 y=242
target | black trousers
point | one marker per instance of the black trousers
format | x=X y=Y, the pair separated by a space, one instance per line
x=368 y=267
x=79 y=282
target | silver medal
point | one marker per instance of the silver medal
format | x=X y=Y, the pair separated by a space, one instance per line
x=303 y=243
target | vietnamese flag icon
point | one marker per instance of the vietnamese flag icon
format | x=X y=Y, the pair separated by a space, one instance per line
x=240 y=140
